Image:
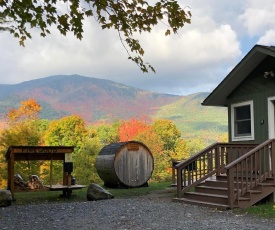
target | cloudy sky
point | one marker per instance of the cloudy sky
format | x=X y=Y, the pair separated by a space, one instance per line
x=194 y=60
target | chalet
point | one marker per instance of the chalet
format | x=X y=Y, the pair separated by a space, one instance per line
x=239 y=173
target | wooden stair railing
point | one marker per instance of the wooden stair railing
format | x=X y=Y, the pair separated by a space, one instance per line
x=250 y=171
x=206 y=163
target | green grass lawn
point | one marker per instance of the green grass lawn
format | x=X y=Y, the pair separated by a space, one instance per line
x=80 y=195
x=261 y=210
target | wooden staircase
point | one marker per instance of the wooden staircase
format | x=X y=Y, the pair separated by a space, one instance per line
x=213 y=192
x=227 y=176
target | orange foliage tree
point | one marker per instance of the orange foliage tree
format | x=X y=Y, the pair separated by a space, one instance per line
x=23 y=129
x=29 y=109
x=153 y=141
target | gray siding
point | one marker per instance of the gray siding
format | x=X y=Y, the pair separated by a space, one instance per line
x=256 y=88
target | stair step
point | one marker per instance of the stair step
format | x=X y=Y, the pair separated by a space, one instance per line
x=211 y=189
x=203 y=203
x=206 y=197
x=266 y=184
x=244 y=198
x=222 y=177
x=221 y=184
x=215 y=183
x=255 y=191
x=207 y=194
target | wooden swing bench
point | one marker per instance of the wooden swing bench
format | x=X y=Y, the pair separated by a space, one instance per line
x=50 y=153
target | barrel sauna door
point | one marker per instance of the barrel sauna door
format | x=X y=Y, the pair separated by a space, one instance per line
x=133 y=166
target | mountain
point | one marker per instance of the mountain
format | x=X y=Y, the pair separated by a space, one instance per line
x=93 y=99
x=195 y=120
x=97 y=100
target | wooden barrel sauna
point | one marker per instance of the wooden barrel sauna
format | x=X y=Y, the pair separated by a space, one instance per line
x=127 y=164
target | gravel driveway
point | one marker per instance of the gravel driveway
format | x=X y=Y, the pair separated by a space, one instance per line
x=146 y=212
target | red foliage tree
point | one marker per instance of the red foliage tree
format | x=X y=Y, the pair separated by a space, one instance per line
x=129 y=130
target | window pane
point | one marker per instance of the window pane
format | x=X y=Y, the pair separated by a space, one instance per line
x=242 y=128
x=242 y=112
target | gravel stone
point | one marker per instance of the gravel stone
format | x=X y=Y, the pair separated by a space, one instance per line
x=140 y=213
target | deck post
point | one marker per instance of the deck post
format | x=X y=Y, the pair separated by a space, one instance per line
x=273 y=164
x=210 y=161
x=11 y=172
x=230 y=184
x=51 y=171
x=173 y=175
x=273 y=160
x=174 y=162
x=217 y=162
x=179 y=182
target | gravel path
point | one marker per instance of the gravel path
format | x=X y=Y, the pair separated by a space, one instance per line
x=147 y=212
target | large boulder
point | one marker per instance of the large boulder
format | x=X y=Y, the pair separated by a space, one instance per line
x=5 y=198
x=96 y=192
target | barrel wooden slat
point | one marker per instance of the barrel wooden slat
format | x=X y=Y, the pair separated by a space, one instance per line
x=127 y=163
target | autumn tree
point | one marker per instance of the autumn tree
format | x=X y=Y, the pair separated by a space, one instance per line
x=153 y=141
x=223 y=137
x=168 y=132
x=108 y=133
x=29 y=110
x=127 y=17
x=128 y=130
x=84 y=170
x=68 y=131
x=195 y=145
x=173 y=146
x=23 y=129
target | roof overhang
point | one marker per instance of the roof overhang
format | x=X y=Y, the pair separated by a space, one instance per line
x=27 y=153
x=254 y=57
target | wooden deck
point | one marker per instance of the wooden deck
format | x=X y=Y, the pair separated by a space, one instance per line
x=228 y=175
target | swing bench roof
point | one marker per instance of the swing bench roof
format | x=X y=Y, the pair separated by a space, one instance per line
x=21 y=153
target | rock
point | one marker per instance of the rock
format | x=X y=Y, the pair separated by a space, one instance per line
x=96 y=192
x=5 y=198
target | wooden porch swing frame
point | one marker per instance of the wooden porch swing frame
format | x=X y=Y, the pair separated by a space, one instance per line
x=47 y=153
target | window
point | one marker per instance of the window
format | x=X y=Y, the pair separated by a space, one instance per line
x=242 y=121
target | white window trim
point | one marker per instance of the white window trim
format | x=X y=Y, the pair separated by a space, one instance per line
x=242 y=138
x=271 y=121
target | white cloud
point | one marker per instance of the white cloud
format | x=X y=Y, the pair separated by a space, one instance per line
x=268 y=38
x=197 y=58
x=192 y=60
x=258 y=17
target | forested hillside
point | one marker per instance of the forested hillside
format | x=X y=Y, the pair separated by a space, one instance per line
x=97 y=100
x=195 y=120
x=93 y=99
x=90 y=113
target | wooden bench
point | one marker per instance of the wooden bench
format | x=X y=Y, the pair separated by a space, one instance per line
x=67 y=190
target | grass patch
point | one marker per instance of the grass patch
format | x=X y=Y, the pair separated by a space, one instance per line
x=48 y=197
x=266 y=210
x=134 y=192
x=23 y=198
